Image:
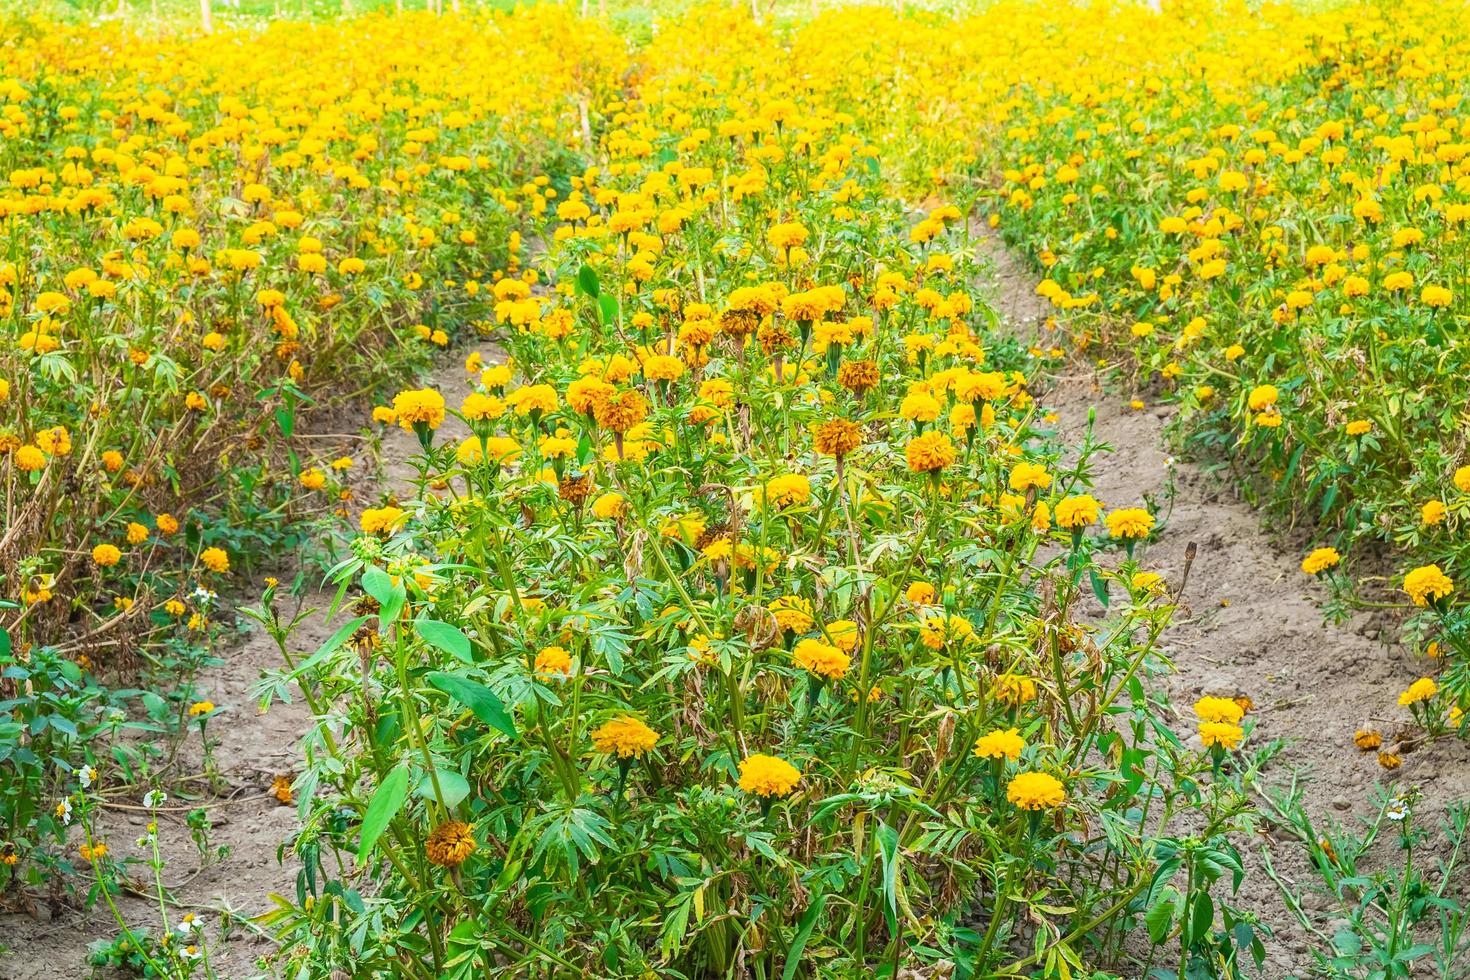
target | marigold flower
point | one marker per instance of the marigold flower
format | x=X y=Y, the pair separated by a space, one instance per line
x=1220 y=734
x=424 y=407
x=1024 y=476
x=377 y=520
x=609 y=506
x=858 y=376
x=1223 y=710
x=787 y=490
x=930 y=452
x=1130 y=523
x=215 y=559
x=200 y=708
x=837 y=437
x=1389 y=760
x=1420 y=691
x=1001 y=743
x=29 y=459
x=821 y=659
x=792 y=612
x=1015 y=689
x=1427 y=584
x=1367 y=739
x=106 y=555
x=620 y=412
x=767 y=775
x=920 y=593
x=1036 y=791
x=1077 y=512
x=553 y=660
x=1320 y=560
x=450 y=844
x=625 y=737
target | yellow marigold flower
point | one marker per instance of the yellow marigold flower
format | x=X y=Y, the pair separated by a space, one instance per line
x=1262 y=397
x=609 y=506
x=450 y=843
x=494 y=449
x=1220 y=734
x=1225 y=710
x=621 y=411
x=1437 y=297
x=858 y=376
x=200 y=708
x=787 y=235
x=1001 y=743
x=930 y=452
x=1036 y=791
x=313 y=479
x=1027 y=475
x=938 y=629
x=787 y=490
x=167 y=523
x=920 y=593
x=553 y=660
x=29 y=459
x=281 y=790
x=137 y=533
x=215 y=559
x=792 y=613
x=1432 y=512
x=768 y=776
x=625 y=737
x=821 y=659
x=1427 y=584
x=424 y=407
x=377 y=520
x=1420 y=691
x=478 y=406
x=919 y=406
x=1320 y=560
x=1130 y=523
x=106 y=555
x=1359 y=427
x=1462 y=479
x=837 y=437
x=844 y=634
x=1367 y=739
x=1389 y=760
x=1077 y=512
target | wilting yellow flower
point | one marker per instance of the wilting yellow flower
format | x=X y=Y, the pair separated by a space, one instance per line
x=767 y=775
x=1320 y=560
x=1001 y=743
x=450 y=843
x=1015 y=689
x=1036 y=791
x=837 y=437
x=1420 y=691
x=1427 y=584
x=625 y=737
x=1367 y=739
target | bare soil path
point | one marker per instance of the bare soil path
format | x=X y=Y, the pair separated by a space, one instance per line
x=253 y=748
x=1249 y=623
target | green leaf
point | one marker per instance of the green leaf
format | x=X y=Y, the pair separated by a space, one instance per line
x=1160 y=919
x=452 y=785
x=803 y=933
x=1099 y=587
x=391 y=596
x=4 y=643
x=387 y=801
x=481 y=701
x=444 y=636
x=607 y=309
x=327 y=648
x=587 y=281
x=888 y=844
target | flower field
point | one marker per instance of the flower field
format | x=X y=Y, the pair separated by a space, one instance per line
x=745 y=609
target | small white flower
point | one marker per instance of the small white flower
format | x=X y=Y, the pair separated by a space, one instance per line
x=154 y=797
x=87 y=774
x=63 y=812
x=189 y=923
x=1397 y=810
x=191 y=952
